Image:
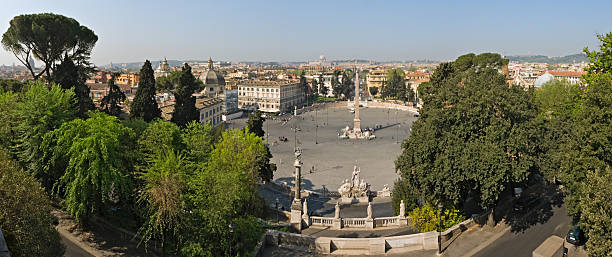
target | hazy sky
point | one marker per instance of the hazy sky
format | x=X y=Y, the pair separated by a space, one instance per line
x=286 y=30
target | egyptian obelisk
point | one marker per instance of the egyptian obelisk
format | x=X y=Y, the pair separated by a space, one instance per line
x=357 y=122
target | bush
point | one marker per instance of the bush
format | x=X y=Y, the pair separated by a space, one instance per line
x=426 y=218
x=25 y=213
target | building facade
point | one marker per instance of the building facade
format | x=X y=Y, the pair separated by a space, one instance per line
x=210 y=110
x=376 y=78
x=270 y=96
x=230 y=101
x=129 y=79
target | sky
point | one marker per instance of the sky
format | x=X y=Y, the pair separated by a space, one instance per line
x=237 y=30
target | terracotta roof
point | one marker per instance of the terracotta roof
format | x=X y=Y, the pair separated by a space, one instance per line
x=566 y=73
x=417 y=74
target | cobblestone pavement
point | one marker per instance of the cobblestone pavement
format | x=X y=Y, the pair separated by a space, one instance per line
x=333 y=159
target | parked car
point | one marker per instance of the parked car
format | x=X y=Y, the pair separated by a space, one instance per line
x=575 y=236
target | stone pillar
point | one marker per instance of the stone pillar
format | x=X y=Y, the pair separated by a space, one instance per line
x=296 y=206
x=305 y=216
x=369 y=220
x=337 y=221
x=403 y=220
x=357 y=121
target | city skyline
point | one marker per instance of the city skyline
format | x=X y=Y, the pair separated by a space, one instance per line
x=281 y=31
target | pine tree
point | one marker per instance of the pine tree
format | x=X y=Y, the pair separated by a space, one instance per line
x=110 y=103
x=67 y=76
x=184 y=107
x=144 y=105
x=255 y=123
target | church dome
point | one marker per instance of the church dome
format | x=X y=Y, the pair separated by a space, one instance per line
x=211 y=77
x=542 y=79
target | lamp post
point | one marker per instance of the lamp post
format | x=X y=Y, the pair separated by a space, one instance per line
x=439 y=228
x=276 y=207
x=316 y=126
x=231 y=229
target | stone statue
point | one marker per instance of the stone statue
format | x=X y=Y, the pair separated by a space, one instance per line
x=354 y=188
x=305 y=207
x=337 y=213
x=369 y=210
x=402 y=212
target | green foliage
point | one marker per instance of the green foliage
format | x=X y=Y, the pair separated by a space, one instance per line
x=96 y=173
x=159 y=137
x=169 y=82
x=164 y=180
x=199 y=141
x=185 y=110
x=373 y=91
x=475 y=137
x=144 y=105
x=323 y=90
x=67 y=75
x=48 y=37
x=12 y=85
x=600 y=61
x=427 y=218
x=223 y=191
x=40 y=110
x=590 y=141
x=396 y=85
x=404 y=191
x=110 y=102
x=255 y=123
x=596 y=213
x=25 y=213
x=8 y=118
x=558 y=102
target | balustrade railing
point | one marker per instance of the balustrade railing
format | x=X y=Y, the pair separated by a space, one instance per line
x=354 y=222
x=321 y=221
x=387 y=221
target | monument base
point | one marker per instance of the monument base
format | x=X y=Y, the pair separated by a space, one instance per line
x=349 y=200
x=296 y=214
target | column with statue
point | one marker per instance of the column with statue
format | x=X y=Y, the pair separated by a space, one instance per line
x=296 y=205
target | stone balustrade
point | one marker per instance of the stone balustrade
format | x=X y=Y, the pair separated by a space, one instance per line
x=354 y=222
x=387 y=221
x=321 y=221
x=395 y=221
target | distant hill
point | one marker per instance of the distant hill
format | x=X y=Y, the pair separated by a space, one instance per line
x=574 y=58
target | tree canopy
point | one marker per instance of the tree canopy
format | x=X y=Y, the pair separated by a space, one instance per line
x=25 y=213
x=111 y=102
x=40 y=110
x=185 y=110
x=396 y=86
x=255 y=123
x=144 y=105
x=473 y=137
x=97 y=172
x=48 y=37
x=67 y=75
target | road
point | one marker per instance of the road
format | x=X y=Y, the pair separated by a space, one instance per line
x=73 y=250
x=517 y=244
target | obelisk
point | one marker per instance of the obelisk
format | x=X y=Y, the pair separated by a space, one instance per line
x=357 y=122
x=296 y=205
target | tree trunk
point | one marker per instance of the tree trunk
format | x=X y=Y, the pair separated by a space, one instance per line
x=491 y=218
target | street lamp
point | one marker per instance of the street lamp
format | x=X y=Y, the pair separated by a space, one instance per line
x=276 y=206
x=440 y=228
x=316 y=126
x=231 y=229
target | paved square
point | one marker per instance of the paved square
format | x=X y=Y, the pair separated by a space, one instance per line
x=333 y=159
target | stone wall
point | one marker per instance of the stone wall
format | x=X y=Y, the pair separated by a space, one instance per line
x=377 y=245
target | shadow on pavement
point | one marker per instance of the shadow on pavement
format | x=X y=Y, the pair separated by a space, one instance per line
x=533 y=208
